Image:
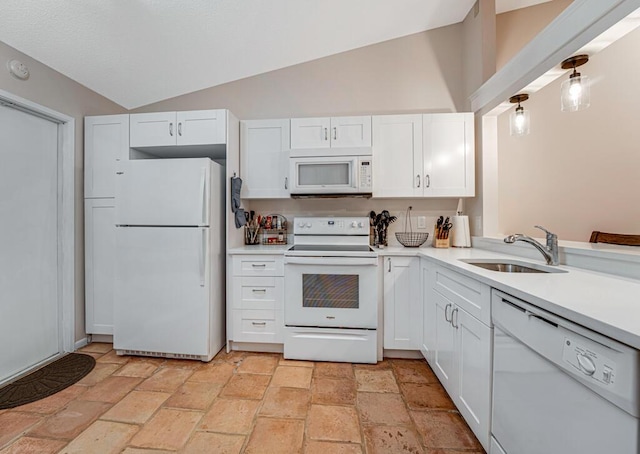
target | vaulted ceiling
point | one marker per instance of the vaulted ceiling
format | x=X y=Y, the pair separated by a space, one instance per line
x=136 y=52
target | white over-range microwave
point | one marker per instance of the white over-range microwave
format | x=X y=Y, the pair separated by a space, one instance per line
x=331 y=174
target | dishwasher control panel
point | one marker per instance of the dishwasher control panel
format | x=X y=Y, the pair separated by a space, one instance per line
x=589 y=361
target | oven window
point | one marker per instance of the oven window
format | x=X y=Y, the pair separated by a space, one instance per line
x=334 y=174
x=337 y=291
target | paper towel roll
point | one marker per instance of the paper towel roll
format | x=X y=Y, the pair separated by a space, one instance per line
x=460 y=234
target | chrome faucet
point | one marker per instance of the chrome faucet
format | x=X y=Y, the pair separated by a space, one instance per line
x=550 y=251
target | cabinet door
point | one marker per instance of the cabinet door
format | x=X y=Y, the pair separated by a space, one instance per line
x=397 y=156
x=444 y=357
x=351 y=132
x=106 y=141
x=428 y=310
x=310 y=132
x=201 y=127
x=100 y=232
x=402 y=308
x=473 y=349
x=264 y=148
x=153 y=129
x=449 y=155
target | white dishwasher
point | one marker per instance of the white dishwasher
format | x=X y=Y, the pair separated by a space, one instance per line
x=559 y=387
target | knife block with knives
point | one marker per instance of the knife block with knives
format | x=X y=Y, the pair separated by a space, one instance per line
x=441 y=233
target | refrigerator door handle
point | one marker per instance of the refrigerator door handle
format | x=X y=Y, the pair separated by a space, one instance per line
x=202 y=257
x=203 y=192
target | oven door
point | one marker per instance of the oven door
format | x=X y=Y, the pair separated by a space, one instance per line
x=336 y=292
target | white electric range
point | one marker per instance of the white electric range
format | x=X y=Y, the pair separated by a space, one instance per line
x=331 y=291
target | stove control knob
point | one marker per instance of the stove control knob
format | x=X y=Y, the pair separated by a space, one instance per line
x=354 y=224
x=301 y=225
x=360 y=225
x=308 y=225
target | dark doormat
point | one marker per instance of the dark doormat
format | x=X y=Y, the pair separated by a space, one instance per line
x=47 y=380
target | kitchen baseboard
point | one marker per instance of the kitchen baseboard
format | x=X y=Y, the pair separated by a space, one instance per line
x=80 y=343
x=256 y=347
x=403 y=354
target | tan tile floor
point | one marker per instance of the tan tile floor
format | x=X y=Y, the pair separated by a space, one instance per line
x=241 y=403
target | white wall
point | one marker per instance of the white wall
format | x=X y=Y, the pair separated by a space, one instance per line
x=577 y=172
x=51 y=89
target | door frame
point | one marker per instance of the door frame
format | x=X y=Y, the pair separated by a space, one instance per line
x=66 y=211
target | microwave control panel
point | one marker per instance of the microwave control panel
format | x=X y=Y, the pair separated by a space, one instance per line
x=365 y=173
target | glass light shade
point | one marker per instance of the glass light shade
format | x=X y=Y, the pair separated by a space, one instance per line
x=519 y=122
x=575 y=93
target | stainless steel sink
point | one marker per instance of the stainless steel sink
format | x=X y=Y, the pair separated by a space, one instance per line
x=511 y=266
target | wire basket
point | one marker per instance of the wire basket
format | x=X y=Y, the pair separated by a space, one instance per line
x=411 y=238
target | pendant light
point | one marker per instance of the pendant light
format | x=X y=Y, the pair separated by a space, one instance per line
x=575 y=93
x=519 y=120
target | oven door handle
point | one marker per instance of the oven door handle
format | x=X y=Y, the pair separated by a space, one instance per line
x=332 y=261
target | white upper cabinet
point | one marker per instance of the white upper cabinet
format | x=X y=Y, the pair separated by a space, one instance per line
x=264 y=148
x=448 y=147
x=106 y=141
x=397 y=156
x=198 y=127
x=325 y=132
x=430 y=155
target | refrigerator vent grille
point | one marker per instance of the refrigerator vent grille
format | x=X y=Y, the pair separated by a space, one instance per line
x=160 y=354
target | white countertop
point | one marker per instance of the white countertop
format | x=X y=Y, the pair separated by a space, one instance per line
x=259 y=249
x=604 y=303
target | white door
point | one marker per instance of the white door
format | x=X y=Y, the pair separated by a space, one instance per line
x=449 y=155
x=444 y=359
x=265 y=158
x=106 y=141
x=100 y=239
x=310 y=132
x=162 y=288
x=402 y=305
x=153 y=129
x=163 y=192
x=473 y=348
x=351 y=132
x=397 y=156
x=201 y=127
x=29 y=324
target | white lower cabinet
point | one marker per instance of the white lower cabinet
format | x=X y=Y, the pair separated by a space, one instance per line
x=459 y=345
x=402 y=305
x=100 y=236
x=256 y=299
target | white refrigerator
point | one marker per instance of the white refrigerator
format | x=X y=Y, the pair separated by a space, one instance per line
x=170 y=267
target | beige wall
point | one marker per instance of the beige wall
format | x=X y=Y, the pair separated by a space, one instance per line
x=516 y=28
x=479 y=42
x=577 y=172
x=55 y=91
x=420 y=72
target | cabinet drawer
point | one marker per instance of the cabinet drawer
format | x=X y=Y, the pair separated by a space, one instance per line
x=261 y=293
x=257 y=326
x=471 y=295
x=256 y=265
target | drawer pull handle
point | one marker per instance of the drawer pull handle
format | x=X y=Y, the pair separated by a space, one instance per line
x=259 y=265
x=259 y=290
x=331 y=317
x=259 y=323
